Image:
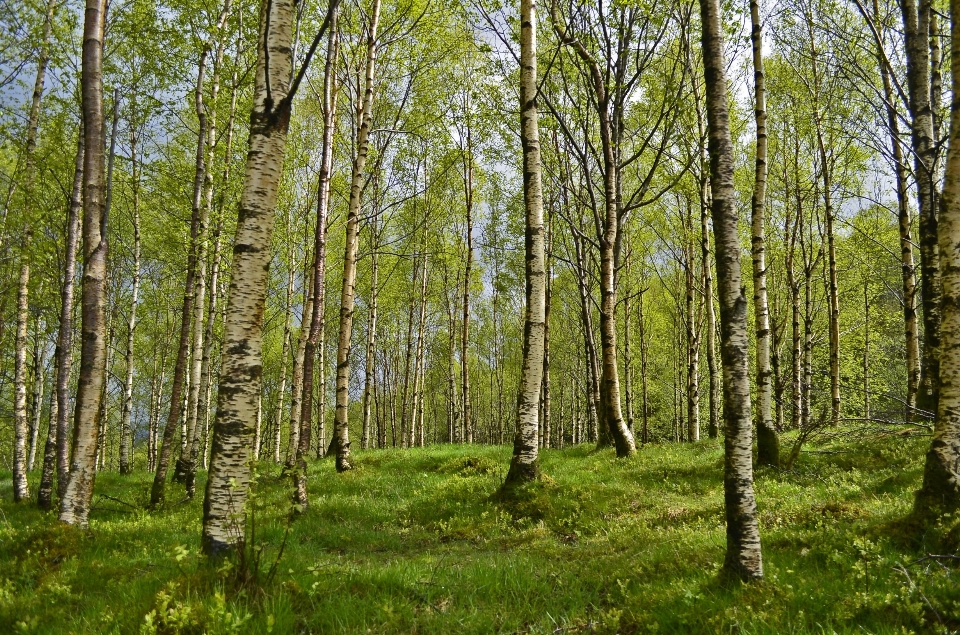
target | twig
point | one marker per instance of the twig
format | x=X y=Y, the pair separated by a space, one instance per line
x=118 y=501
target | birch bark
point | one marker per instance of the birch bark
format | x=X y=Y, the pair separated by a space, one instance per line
x=78 y=492
x=21 y=491
x=743 y=559
x=940 y=491
x=524 y=465
x=56 y=453
x=239 y=391
x=916 y=28
x=126 y=434
x=768 y=443
x=341 y=440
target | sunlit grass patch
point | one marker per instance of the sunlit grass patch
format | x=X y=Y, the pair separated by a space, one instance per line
x=415 y=541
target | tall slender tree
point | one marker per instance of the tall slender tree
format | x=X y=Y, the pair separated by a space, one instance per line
x=743 y=559
x=75 y=500
x=768 y=443
x=238 y=397
x=524 y=465
x=341 y=431
x=940 y=491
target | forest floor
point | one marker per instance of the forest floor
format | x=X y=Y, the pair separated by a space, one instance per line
x=410 y=542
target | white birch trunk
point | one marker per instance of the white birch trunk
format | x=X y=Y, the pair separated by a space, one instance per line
x=768 y=443
x=940 y=491
x=239 y=391
x=341 y=440
x=524 y=466
x=743 y=558
x=21 y=490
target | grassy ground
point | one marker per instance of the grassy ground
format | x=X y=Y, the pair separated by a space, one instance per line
x=409 y=543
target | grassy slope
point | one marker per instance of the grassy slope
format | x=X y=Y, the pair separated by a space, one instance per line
x=409 y=543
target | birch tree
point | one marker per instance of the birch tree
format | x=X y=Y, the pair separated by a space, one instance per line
x=238 y=397
x=743 y=559
x=940 y=491
x=524 y=466
x=341 y=430
x=75 y=500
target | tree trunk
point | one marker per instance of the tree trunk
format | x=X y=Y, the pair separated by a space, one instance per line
x=39 y=381
x=711 y=321
x=586 y=319
x=370 y=359
x=206 y=370
x=49 y=453
x=467 y=273
x=451 y=365
x=296 y=380
x=866 y=350
x=940 y=492
x=608 y=237
x=627 y=361
x=524 y=466
x=916 y=28
x=239 y=390
x=126 y=433
x=644 y=395
x=768 y=443
x=419 y=370
x=284 y=349
x=258 y=428
x=405 y=423
x=30 y=145
x=188 y=321
x=545 y=382
x=743 y=559
x=202 y=202
x=348 y=291
x=692 y=333
x=56 y=454
x=103 y=416
x=21 y=490
x=75 y=501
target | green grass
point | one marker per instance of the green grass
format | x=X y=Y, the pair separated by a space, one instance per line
x=409 y=542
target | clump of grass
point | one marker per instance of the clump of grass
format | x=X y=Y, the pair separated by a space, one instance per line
x=469 y=466
x=416 y=542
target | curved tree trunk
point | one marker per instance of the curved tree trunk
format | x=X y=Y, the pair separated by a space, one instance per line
x=78 y=492
x=296 y=379
x=713 y=429
x=39 y=383
x=187 y=318
x=341 y=441
x=524 y=466
x=743 y=559
x=608 y=237
x=206 y=371
x=284 y=349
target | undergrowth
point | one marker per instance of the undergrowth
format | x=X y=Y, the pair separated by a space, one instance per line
x=413 y=542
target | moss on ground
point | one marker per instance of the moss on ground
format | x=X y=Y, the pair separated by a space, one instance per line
x=411 y=542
